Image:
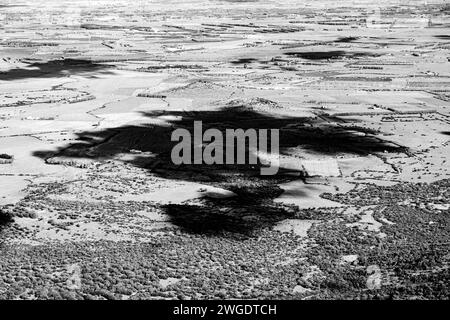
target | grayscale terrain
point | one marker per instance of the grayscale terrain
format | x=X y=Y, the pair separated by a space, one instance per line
x=92 y=207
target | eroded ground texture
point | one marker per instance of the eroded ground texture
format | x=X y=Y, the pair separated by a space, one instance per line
x=92 y=207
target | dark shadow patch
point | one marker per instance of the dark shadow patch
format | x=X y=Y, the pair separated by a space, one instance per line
x=239 y=1
x=12 y=5
x=243 y=61
x=252 y=208
x=244 y=215
x=346 y=39
x=6 y=158
x=328 y=55
x=318 y=135
x=53 y=68
x=443 y=37
x=446 y=133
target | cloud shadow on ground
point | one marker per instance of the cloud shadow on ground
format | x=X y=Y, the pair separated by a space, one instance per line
x=328 y=55
x=252 y=208
x=53 y=68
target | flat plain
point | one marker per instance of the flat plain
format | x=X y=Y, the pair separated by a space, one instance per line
x=92 y=207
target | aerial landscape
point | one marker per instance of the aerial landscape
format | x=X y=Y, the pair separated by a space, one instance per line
x=92 y=205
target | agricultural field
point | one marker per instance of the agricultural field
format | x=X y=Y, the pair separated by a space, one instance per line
x=93 y=207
